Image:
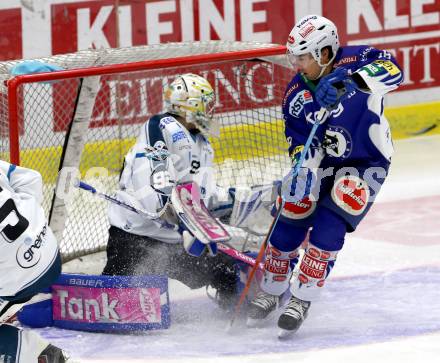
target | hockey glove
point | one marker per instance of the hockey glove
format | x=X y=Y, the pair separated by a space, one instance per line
x=296 y=188
x=196 y=248
x=334 y=87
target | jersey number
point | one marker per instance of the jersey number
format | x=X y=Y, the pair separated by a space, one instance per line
x=11 y=232
x=195 y=165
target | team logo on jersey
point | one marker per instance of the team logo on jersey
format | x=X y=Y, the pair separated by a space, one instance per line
x=29 y=254
x=351 y=194
x=297 y=210
x=157 y=152
x=298 y=102
x=337 y=142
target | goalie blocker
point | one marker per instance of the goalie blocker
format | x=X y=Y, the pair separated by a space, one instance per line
x=103 y=303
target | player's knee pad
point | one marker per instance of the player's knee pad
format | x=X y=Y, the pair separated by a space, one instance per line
x=314 y=268
x=328 y=231
x=287 y=237
x=278 y=268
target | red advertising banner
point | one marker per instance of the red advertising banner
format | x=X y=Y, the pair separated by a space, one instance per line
x=410 y=29
x=135 y=97
x=11 y=36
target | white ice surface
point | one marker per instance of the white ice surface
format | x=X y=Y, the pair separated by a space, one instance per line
x=381 y=303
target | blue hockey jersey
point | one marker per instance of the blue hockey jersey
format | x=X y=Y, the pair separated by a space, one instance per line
x=356 y=132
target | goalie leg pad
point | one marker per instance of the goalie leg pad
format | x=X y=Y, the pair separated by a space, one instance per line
x=107 y=303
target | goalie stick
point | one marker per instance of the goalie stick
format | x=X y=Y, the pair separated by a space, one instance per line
x=320 y=117
x=153 y=216
x=227 y=250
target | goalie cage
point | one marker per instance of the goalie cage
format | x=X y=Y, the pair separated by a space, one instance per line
x=88 y=116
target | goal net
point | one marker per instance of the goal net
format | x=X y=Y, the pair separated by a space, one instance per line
x=87 y=116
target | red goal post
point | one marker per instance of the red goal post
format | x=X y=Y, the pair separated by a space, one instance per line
x=88 y=116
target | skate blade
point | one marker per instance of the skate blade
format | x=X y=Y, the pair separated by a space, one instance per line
x=259 y=323
x=285 y=334
x=255 y=323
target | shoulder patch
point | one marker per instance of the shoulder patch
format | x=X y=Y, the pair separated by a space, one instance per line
x=166 y=121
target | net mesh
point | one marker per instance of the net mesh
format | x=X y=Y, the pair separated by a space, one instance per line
x=251 y=149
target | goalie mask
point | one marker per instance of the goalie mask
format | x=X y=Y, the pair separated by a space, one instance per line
x=311 y=34
x=192 y=97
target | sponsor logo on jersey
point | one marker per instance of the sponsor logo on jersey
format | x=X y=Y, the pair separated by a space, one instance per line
x=273 y=251
x=298 y=210
x=346 y=60
x=277 y=266
x=166 y=121
x=178 y=136
x=337 y=142
x=312 y=116
x=351 y=194
x=289 y=92
x=389 y=66
x=325 y=255
x=298 y=102
x=306 y=30
x=320 y=283
x=314 y=252
x=372 y=70
x=303 y=279
x=312 y=267
x=29 y=254
x=279 y=278
x=364 y=53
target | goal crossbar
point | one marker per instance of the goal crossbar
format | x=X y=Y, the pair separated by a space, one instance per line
x=14 y=83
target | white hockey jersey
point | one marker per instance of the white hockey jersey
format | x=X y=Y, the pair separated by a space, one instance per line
x=28 y=247
x=145 y=179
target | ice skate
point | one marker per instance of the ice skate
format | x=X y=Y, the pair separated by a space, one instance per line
x=261 y=308
x=52 y=354
x=292 y=317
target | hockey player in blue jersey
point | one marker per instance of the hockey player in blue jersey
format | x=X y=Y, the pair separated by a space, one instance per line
x=342 y=172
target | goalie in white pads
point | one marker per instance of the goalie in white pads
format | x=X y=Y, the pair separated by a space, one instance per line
x=30 y=262
x=172 y=147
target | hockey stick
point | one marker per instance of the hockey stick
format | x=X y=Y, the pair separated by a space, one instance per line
x=237 y=255
x=227 y=250
x=322 y=113
x=153 y=216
